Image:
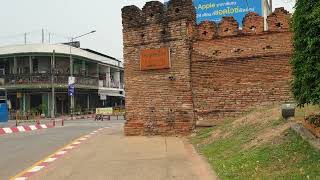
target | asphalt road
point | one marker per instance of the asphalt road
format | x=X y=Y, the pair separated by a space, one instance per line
x=19 y=151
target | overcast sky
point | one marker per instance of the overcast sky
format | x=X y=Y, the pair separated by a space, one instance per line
x=69 y=18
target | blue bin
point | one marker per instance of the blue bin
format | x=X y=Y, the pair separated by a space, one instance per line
x=4 y=115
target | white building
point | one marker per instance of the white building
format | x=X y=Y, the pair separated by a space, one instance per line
x=30 y=72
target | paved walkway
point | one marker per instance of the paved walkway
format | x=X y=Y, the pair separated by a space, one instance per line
x=112 y=156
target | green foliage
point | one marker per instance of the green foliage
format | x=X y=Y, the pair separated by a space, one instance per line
x=306 y=58
x=314 y=119
x=201 y=135
x=34 y=111
x=43 y=108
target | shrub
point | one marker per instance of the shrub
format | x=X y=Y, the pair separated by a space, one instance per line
x=306 y=57
x=314 y=119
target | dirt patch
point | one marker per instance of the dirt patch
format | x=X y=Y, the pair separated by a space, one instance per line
x=315 y=130
x=260 y=117
x=268 y=135
x=217 y=134
x=199 y=164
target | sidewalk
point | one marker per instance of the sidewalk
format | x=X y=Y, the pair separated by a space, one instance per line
x=112 y=156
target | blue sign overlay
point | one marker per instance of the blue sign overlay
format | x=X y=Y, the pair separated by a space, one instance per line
x=214 y=10
x=71 y=90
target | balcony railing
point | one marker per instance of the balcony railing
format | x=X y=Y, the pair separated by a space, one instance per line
x=23 y=79
x=111 y=84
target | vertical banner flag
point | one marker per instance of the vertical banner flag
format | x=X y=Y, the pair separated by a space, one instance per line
x=214 y=10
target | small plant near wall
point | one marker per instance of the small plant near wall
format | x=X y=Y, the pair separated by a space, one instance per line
x=34 y=112
x=312 y=123
x=314 y=119
x=78 y=109
x=43 y=109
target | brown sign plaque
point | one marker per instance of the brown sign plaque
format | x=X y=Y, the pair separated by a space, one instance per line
x=151 y=59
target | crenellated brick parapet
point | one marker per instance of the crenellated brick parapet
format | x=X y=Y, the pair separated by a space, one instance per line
x=132 y=17
x=253 y=24
x=156 y=21
x=279 y=20
x=228 y=26
x=157 y=12
x=207 y=30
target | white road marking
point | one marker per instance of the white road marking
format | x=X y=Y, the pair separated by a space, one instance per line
x=76 y=142
x=20 y=178
x=49 y=160
x=61 y=152
x=69 y=147
x=36 y=168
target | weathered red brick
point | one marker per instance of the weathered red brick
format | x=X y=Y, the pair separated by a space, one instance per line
x=217 y=71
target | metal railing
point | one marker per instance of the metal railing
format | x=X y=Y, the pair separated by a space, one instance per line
x=40 y=78
x=111 y=84
x=87 y=80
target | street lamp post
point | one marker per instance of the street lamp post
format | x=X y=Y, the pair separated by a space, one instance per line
x=71 y=69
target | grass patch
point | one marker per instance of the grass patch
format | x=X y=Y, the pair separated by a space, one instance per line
x=202 y=134
x=278 y=122
x=285 y=157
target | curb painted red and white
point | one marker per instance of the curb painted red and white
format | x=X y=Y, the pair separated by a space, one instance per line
x=68 y=118
x=50 y=159
x=26 y=128
x=82 y=117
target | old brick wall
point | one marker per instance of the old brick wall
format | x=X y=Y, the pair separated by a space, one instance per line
x=217 y=70
x=158 y=102
x=237 y=70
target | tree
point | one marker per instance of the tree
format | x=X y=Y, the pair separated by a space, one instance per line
x=306 y=56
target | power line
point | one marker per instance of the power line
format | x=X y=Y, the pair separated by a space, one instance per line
x=29 y=37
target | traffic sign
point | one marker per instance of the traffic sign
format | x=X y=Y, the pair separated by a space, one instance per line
x=71 y=80
x=71 y=90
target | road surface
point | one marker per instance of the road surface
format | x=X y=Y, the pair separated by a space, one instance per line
x=21 y=150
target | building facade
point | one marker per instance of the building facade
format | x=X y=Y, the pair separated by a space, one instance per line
x=36 y=77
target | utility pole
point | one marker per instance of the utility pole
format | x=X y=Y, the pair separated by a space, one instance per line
x=72 y=98
x=49 y=37
x=52 y=84
x=71 y=75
